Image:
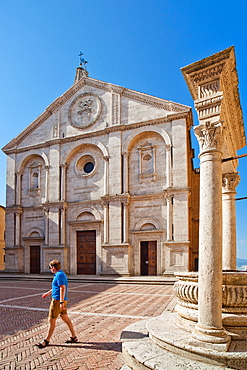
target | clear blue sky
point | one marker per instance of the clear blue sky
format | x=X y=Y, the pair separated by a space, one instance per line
x=138 y=44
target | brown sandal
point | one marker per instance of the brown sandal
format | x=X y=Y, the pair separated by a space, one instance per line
x=72 y=340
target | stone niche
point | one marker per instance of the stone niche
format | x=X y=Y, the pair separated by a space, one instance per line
x=234 y=302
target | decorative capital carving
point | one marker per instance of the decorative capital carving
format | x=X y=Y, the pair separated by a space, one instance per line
x=168 y=148
x=209 y=135
x=230 y=181
x=64 y=165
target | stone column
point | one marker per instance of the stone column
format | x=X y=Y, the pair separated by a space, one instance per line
x=106 y=222
x=18 y=227
x=106 y=172
x=46 y=211
x=126 y=172
x=63 y=181
x=169 y=236
x=46 y=183
x=125 y=222
x=18 y=188
x=229 y=253
x=63 y=225
x=209 y=331
x=168 y=166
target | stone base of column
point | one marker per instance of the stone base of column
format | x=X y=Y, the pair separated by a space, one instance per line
x=215 y=339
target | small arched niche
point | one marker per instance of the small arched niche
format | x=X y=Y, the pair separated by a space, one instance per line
x=147 y=226
x=34 y=234
x=85 y=216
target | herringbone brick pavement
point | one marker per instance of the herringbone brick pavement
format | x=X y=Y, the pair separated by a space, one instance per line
x=99 y=313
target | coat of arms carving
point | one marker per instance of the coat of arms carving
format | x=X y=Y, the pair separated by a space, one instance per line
x=85 y=110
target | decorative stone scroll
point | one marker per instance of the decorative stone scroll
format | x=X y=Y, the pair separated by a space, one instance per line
x=209 y=89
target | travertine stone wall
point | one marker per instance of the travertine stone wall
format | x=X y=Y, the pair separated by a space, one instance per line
x=135 y=189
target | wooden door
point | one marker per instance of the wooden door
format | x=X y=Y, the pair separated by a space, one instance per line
x=86 y=252
x=149 y=258
x=144 y=258
x=35 y=259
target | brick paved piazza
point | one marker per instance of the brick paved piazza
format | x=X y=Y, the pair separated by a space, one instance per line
x=99 y=312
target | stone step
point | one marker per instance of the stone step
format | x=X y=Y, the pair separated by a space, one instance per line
x=168 y=279
x=141 y=353
x=125 y=367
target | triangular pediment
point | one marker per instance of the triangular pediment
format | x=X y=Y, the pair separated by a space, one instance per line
x=88 y=99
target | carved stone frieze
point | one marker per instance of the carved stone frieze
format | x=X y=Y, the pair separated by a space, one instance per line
x=209 y=135
x=209 y=106
x=230 y=181
x=205 y=75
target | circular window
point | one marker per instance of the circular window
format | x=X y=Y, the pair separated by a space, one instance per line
x=89 y=166
x=85 y=165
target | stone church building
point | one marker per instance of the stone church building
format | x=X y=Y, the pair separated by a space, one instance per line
x=103 y=180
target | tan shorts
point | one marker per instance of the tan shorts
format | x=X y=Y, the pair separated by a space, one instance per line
x=55 y=309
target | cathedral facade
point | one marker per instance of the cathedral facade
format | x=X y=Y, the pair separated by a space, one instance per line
x=103 y=181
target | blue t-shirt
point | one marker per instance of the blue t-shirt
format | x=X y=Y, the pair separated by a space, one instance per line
x=59 y=278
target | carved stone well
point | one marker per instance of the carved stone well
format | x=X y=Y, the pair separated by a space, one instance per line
x=234 y=302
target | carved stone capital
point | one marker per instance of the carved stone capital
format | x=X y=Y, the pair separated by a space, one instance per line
x=168 y=197
x=64 y=165
x=168 y=148
x=230 y=181
x=209 y=135
x=125 y=154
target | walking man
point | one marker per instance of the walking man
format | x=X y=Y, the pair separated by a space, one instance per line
x=59 y=293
